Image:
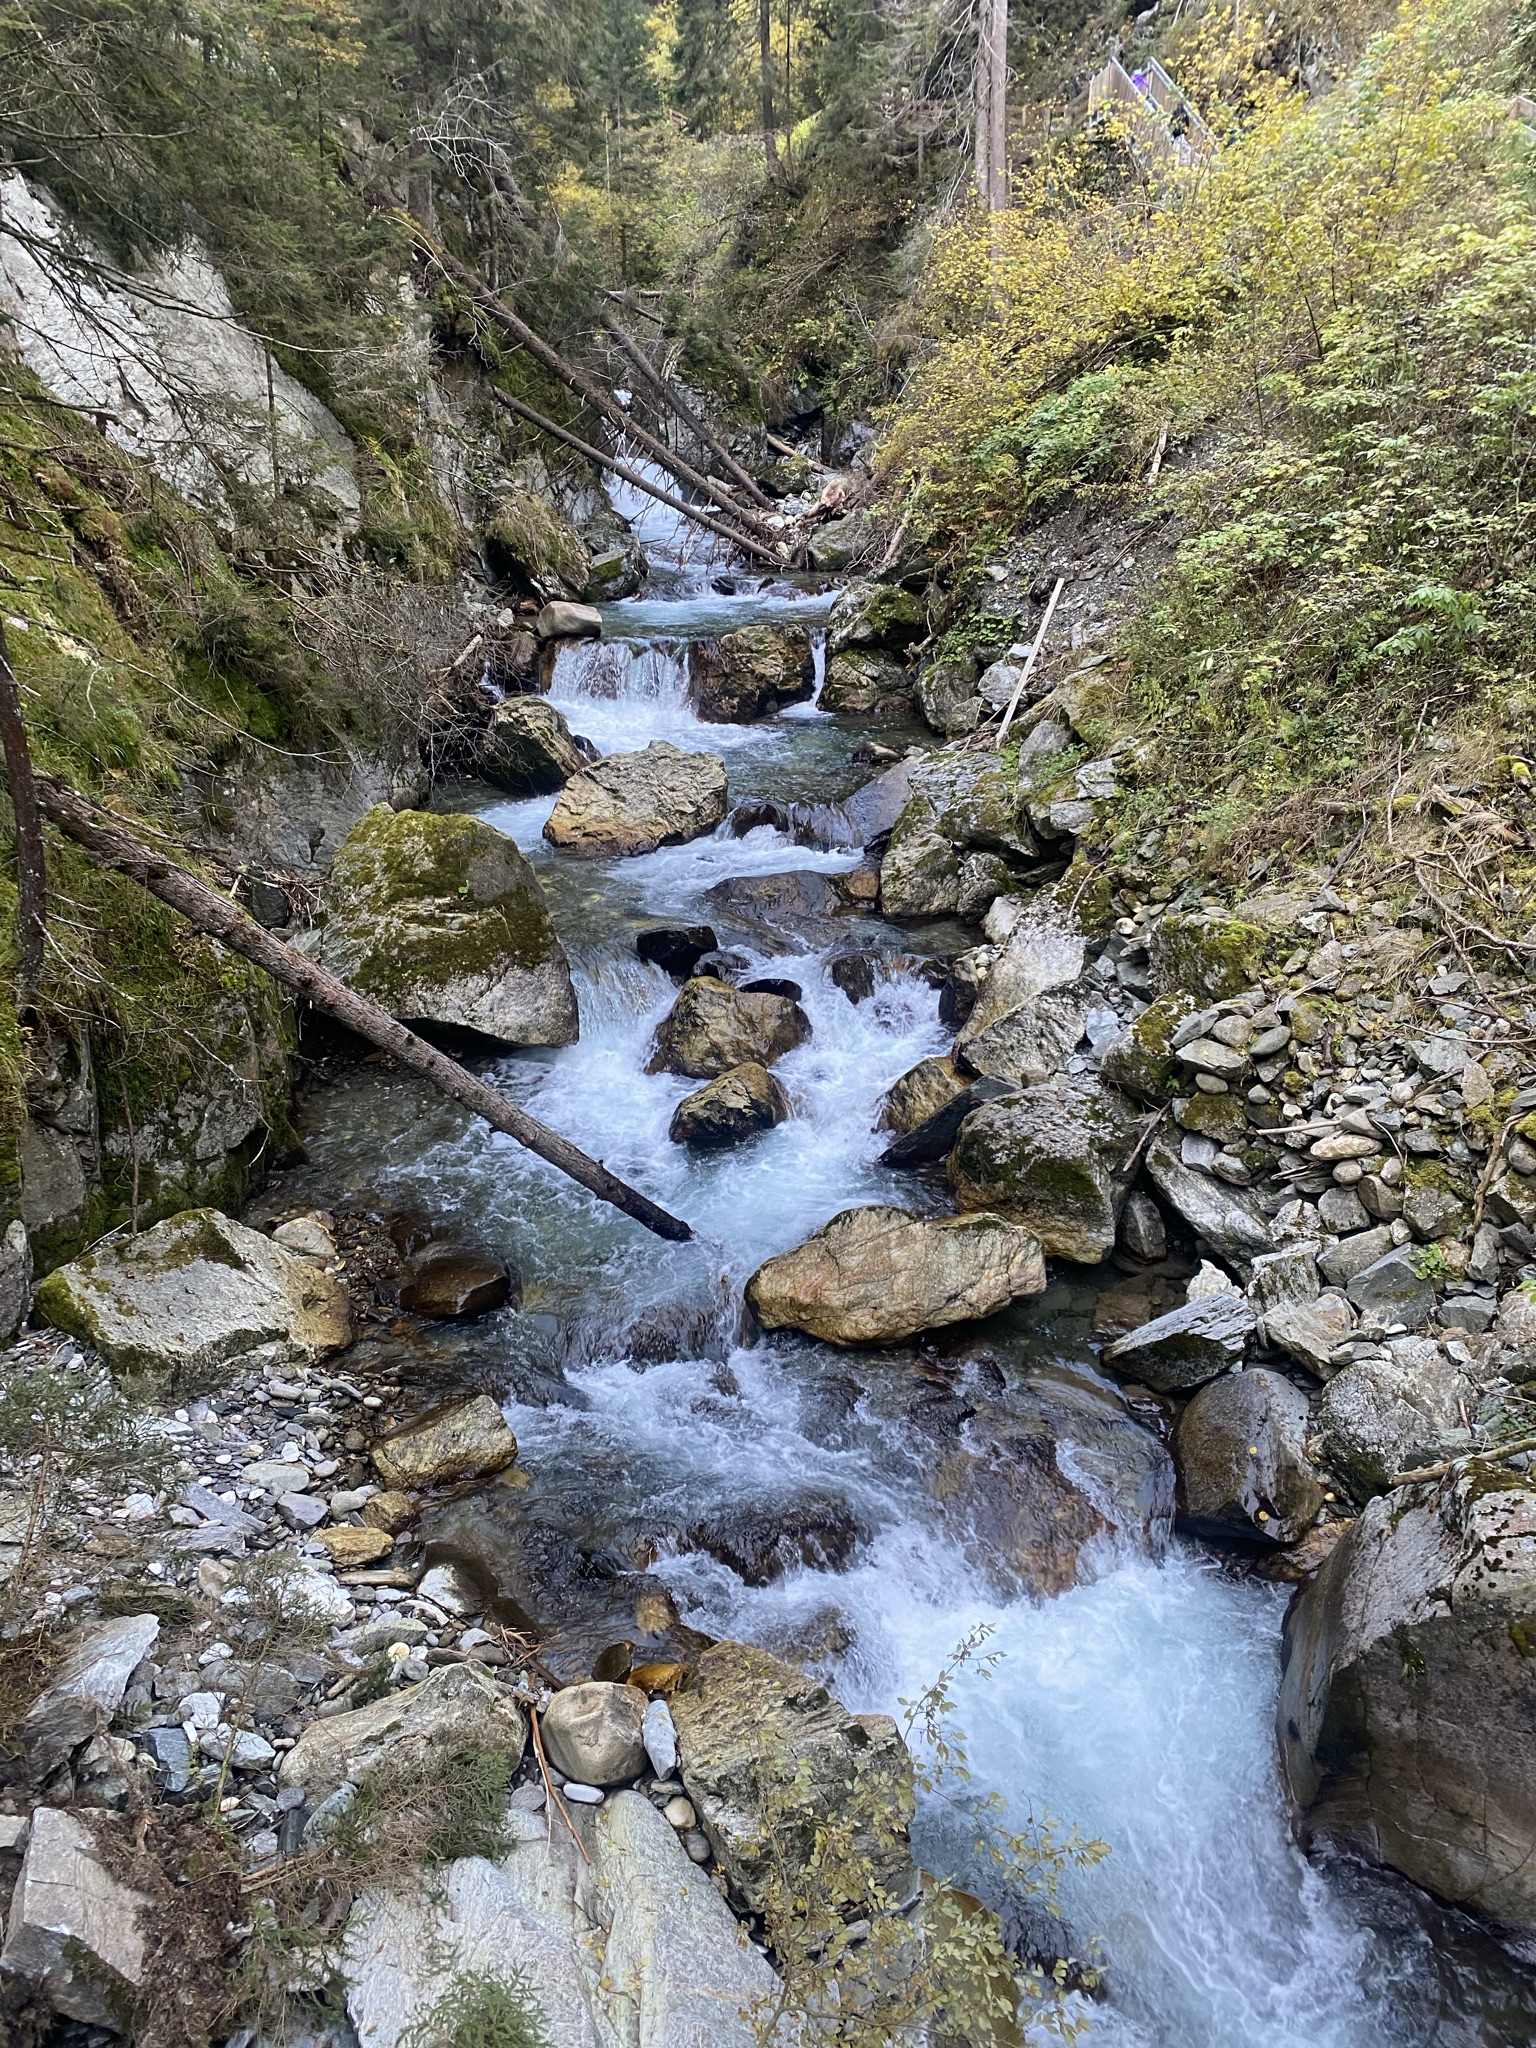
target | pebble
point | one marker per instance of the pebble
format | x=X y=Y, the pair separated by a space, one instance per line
x=698 y=1847
x=679 y=1813
x=584 y=1795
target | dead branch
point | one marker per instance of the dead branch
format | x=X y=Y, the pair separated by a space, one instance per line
x=672 y=397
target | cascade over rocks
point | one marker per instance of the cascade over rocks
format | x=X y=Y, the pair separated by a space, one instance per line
x=1053 y=1158
x=184 y=1301
x=1407 y=1712
x=712 y=1028
x=881 y=1275
x=750 y=674
x=633 y=803
x=442 y=921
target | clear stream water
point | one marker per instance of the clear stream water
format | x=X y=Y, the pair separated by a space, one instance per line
x=1137 y=1706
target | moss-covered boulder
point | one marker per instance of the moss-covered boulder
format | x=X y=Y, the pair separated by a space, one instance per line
x=750 y=674
x=528 y=749
x=1052 y=1158
x=876 y=615
x=868 y=682
x=880 y=1275
x=1204 y=954
x=1141 y=1059
x=712 y=1028
x=442 y=921
x=182 y=1303
x=633 y=803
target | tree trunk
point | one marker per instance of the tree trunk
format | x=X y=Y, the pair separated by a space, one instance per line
x=600 y=401
x=31 y=875
x=992 y=104
x=765 y=84
x=631 y=476
x=685 y=412
x=217 y=918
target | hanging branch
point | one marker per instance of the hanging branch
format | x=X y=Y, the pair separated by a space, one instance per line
x=31 y=875
x=630 y=476
x=497 y=310
x=217 y=918
x=664 y=387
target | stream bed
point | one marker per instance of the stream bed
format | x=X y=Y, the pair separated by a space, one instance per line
x=1137 y=1705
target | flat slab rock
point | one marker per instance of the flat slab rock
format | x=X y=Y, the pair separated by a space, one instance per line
x=73 y=1924
x=880 y=1275
x=86 y=1691
x=181 y=1301
x=632 y=1949
x=1186 y=1347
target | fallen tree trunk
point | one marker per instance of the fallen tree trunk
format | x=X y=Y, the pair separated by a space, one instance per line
x=685 y=412
x=217 y=918
x=632 y=476
x=497 y=309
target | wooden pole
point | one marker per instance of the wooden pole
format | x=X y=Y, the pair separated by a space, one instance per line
x=1034 y=656
x=217 y=918
x=31 y=874
x=631 y=476
x=497 y=310
x=685 y=412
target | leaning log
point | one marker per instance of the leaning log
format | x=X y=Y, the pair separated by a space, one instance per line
x=567 y=439
x=103 y=837
x=502 y=315
x=670 y=396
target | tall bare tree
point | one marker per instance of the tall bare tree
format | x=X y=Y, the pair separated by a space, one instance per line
x=765 y=84
x=991 y=114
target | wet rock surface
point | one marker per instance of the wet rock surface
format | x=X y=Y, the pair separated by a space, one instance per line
x=633 y=803
x=713 y=1028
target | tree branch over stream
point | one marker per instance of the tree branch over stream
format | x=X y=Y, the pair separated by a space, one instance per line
x=105 y=840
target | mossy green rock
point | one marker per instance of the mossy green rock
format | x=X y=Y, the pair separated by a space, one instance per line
x=442 y=920
x=876 y=615
x=1207 y=955
x=862 y=679
x=182 y=1303
x=1141 y=1059
x=977 y=801
x=1050 y=1158
x=748 y=675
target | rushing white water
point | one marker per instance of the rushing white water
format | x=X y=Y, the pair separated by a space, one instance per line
x=1137 y=1707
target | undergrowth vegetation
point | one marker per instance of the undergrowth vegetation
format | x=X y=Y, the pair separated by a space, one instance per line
x=1313 y=353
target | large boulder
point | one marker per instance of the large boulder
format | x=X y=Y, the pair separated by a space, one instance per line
x=442 y=921
x=456 y=1707
x=948 y=698
x=633 y=803
x=959 y=805
x=868 y=681
x=713 y=1027
x=1030 y=1010
x=182 y=1302
x=1051 y=1157
x=1408 y=1703
x=750 y=674
x=460 y=1440
x=876 y=615
x=1039 y=1476
x=921 y=1092
x=1392 y=1413
x=771 y=1761
x=618 y=1940
x=920 y=869
x=86 y=1690
x=741 y=1102
x=880 y=1275
x=527 y=749
x=1240 y=1452
x=1186 y=1347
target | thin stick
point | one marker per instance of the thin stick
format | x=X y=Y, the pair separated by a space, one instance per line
x=1034 y=656
x=549 y=1783
x=216 y=917
x=1489 y=1457
x=631 y=476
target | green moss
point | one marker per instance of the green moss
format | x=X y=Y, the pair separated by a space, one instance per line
x=1222 y=1117
x=1208 y=955
x=1142 y=1061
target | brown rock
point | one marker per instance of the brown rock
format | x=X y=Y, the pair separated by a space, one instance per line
x=713 y=1027
x=461 y=1440
x=351 y=1547
x=390 y=1511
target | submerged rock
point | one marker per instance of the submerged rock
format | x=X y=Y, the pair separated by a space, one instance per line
x=675 y=948
x=712 y=1028
x=750 y=674
x=183 y=1301
x=770 y=1760
x=880 y=1275
x=442 y=921
x=1053 y=1158
x=1408 y=1703
x=1240 y=1451
x=527 y=749
x=450 y=1282
x=633 y=803
x=728 y=1111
